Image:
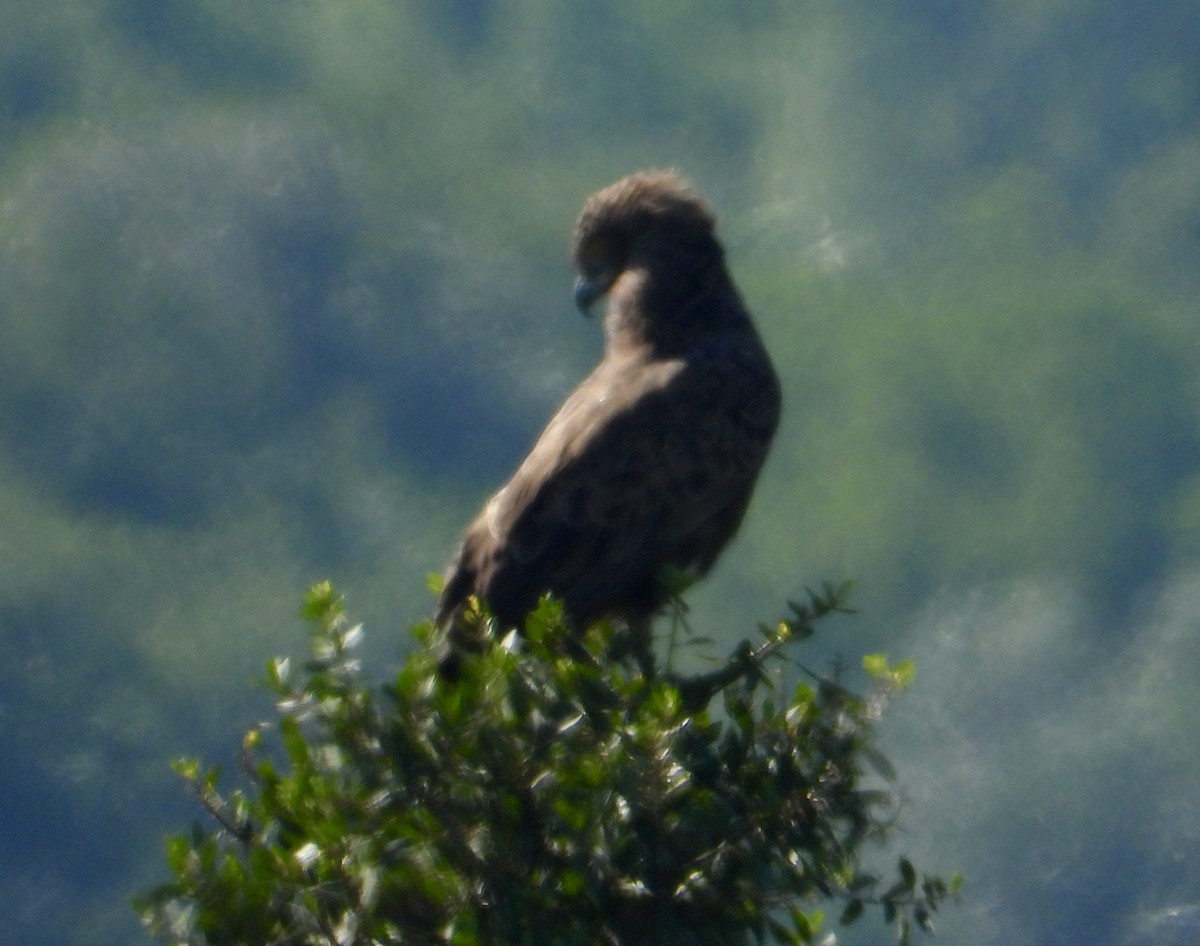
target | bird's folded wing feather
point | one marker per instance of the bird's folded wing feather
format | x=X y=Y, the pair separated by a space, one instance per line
x=645 y=462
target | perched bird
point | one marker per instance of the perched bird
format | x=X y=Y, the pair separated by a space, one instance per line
x=651 y=461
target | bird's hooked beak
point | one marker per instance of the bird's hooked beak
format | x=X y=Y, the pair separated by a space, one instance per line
x=587 y=291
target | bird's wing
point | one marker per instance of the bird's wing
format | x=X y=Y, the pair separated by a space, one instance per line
x=646 y=464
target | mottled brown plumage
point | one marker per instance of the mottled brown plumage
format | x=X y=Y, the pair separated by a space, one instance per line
x=651 y=461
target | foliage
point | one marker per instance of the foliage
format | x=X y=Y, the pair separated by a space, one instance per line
x=548 y=794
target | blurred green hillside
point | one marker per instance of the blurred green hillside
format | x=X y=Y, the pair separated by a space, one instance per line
x=284 y=295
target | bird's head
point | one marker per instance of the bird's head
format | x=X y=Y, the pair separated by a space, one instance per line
x=643 y=218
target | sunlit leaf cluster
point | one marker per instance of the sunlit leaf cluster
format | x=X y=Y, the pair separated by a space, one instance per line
x=547 y=794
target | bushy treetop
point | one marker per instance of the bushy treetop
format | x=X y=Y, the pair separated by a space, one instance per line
x=548 y=794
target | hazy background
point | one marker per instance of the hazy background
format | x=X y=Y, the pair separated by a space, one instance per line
x=284 y=295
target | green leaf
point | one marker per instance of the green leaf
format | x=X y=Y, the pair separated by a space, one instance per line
x=294 y=741
x=277 y=672
x=321 y=602
x=876 y=665
x=806 y=926
x=903 y=674
x=899 y=677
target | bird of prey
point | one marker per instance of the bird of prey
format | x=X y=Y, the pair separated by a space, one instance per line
x=650 y=463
